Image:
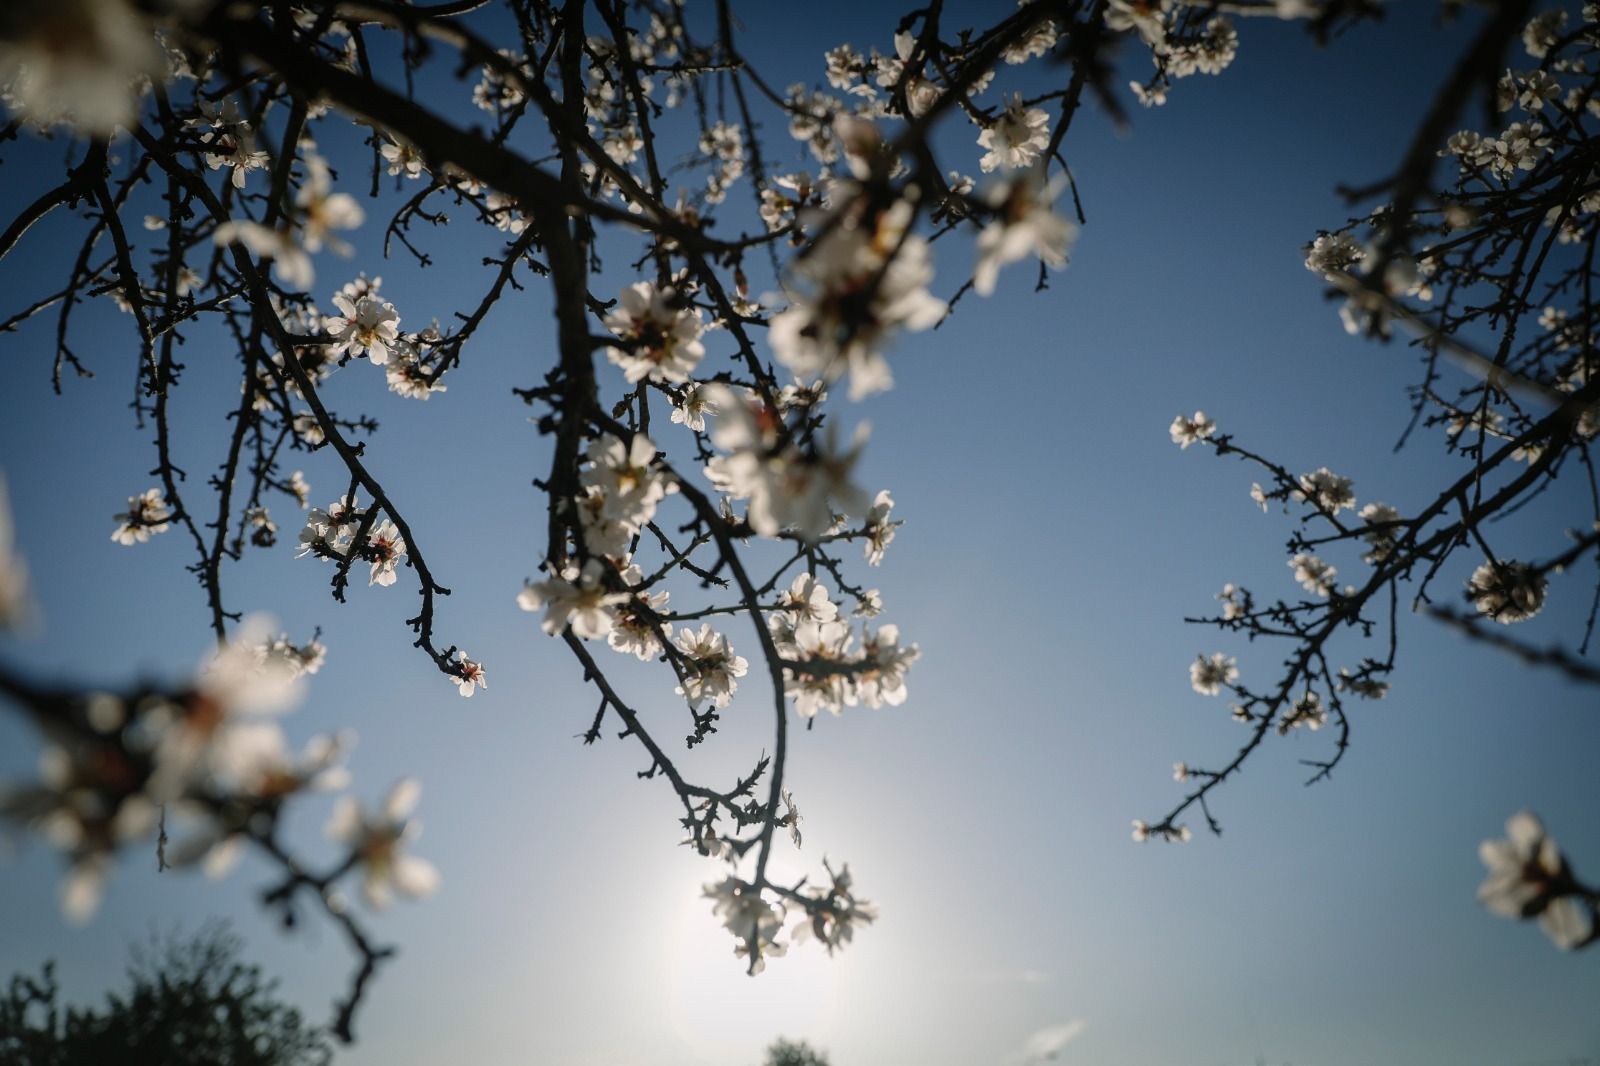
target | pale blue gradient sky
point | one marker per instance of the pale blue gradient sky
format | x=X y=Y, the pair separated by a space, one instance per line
x=1054 y=541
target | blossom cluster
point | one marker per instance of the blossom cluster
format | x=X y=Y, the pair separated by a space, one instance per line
x=212 y=758
x=828 y=915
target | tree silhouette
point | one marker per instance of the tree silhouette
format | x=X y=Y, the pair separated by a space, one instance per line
x=189 y=1002
x=786 y=1052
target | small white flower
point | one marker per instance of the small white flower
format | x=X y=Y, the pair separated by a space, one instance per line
x=626 y=480
x=880 y=531
x=407 y=376
x=147 y=513
x=367 y=326
x=690 y=407
x=1333 y=254
x=1543 y=31
x=1016 y=138
x=384 y=548
x=882 y=680
x=787 y=488
x=1307 y=711
x=634 y=625
x=1381 y=533
x=791 y=817
x=403 y=159
x=1314 y=575
x=834 y=912
x=1036 y=42
x=1507 y=591
x=1330 y=492
x=468 y=676
x=1187 y=431
x=1207 y=675
x=577 y=597
x=1367 y=688
x=806 y=600
x=711 y=669
x=754 y=921
x=662 y=332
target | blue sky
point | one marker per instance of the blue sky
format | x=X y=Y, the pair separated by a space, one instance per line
x=1054 y=540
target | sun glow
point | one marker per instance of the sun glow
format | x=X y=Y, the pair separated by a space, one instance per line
x=721 y=1012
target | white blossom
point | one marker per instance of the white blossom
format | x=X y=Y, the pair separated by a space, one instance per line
x=1543 y=31
x=663 y=334
x=626 y=478
x=711 y=669
x=1527 y=875
x=1235 y=602
x=885 y=662
x=147 y=513
x=791 y=818
x=1314 y=575
x=827 y=644
x=1187 y=431
x=319 y=212
x=1015 y=138
x=384 y=548
x=691 y=405
x=1507 y=591
x=468 y=675
x=1380 y=534
x=379 y=843
x=754 y=921
x=1307 y=711
x=1208 y=674
x=863 y=282
x=834 y=913
x=880 y=531
x=788 y=487
x=1148 y=17
x=407 y=376
x=1026 y=222
x=1333 y=254
x=634 y=626
x=1368 y=688
x=806 y=600
x=1327 y=490
x=1038 y=41
x=403 y=159
x=577 y=597
x=366 y=326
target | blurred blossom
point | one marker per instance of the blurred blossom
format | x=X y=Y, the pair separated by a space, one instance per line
x=14 y=601
x=378 y=843
x=79 y=62
x=1528 y=878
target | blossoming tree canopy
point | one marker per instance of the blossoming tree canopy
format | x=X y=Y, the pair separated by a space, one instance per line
x=754 y=260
